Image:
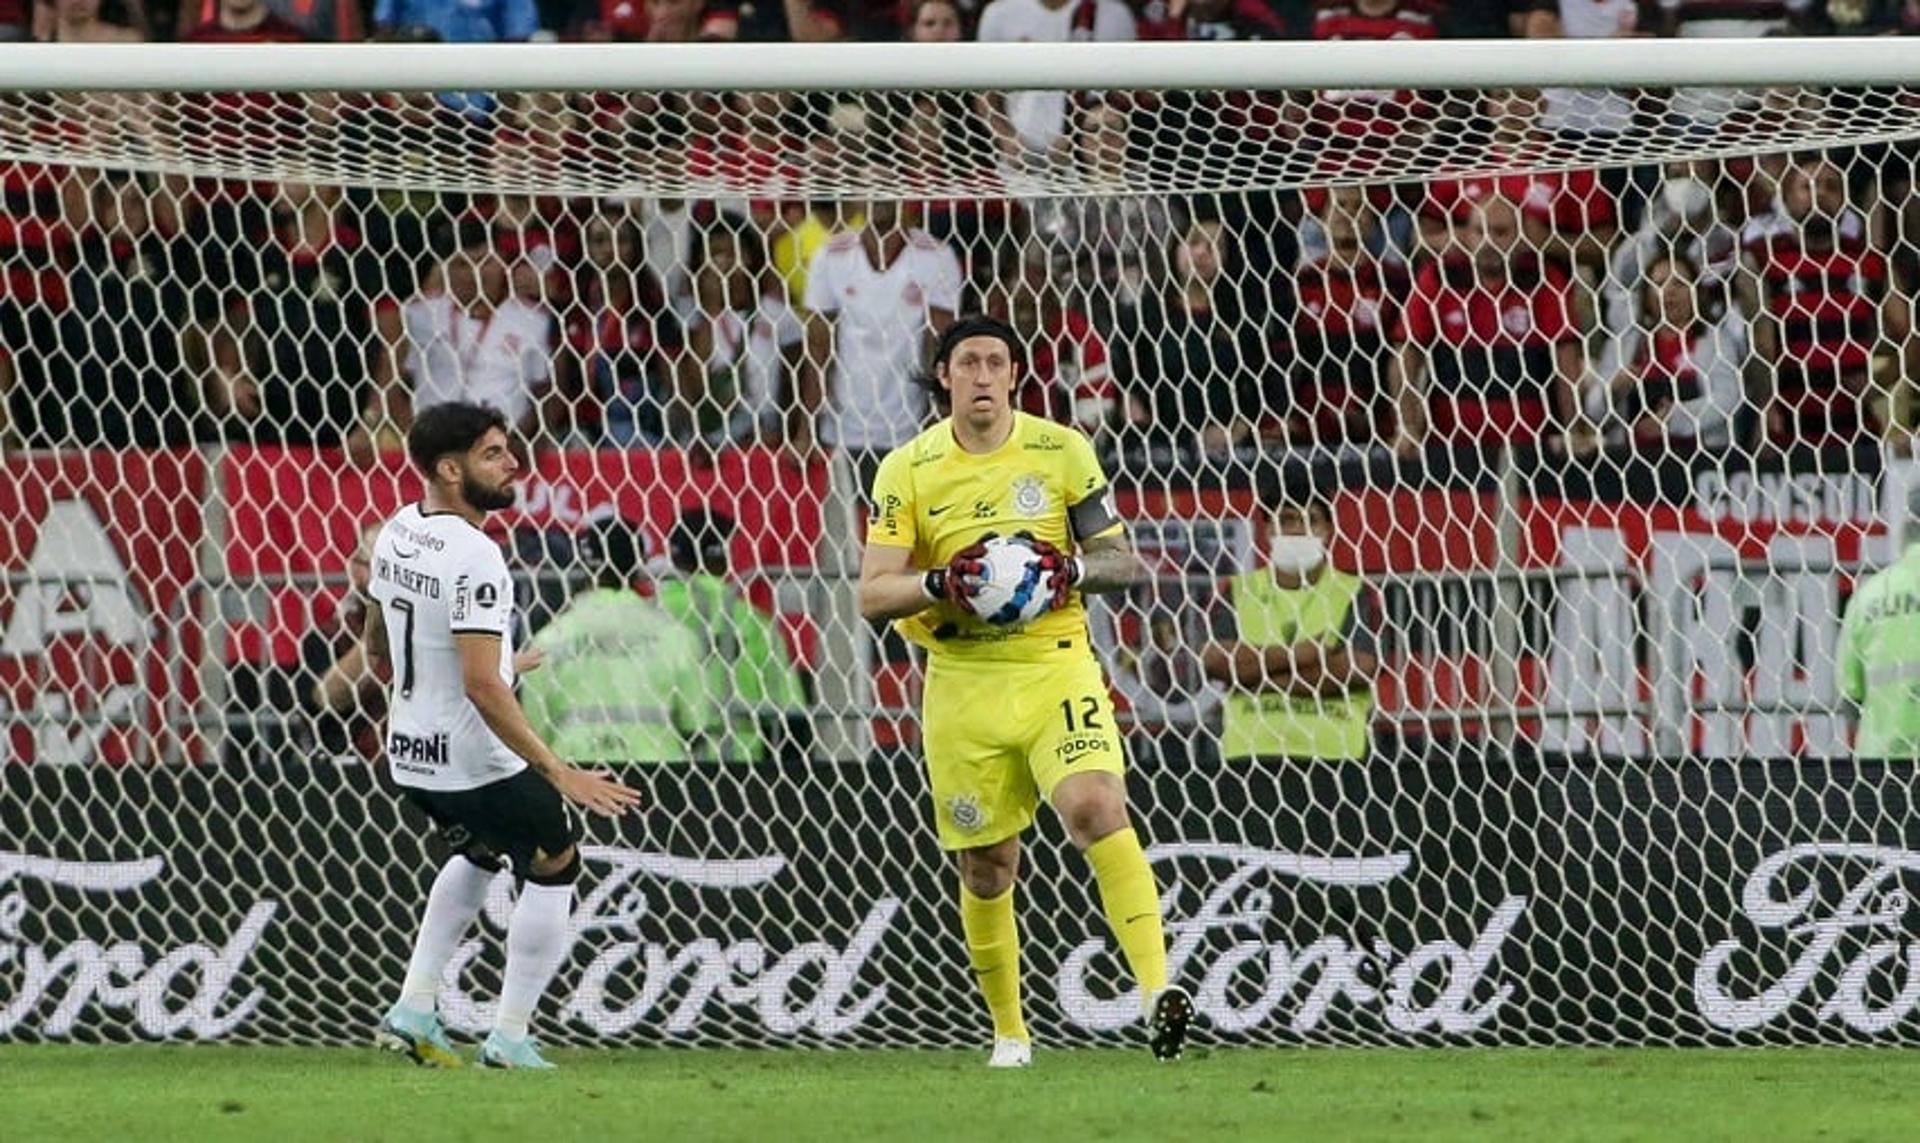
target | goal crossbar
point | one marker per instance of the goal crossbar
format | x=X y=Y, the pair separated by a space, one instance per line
x=1264 y=65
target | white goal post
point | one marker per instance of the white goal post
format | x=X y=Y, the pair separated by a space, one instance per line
x=1593 y=362
x=70 y=77
x=1158 y=65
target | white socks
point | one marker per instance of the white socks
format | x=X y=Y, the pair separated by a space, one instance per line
x=537 y=939
x=458 y=892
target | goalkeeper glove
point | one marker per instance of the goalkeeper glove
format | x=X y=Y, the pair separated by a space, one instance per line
x=1063 y=571
x=959 y=580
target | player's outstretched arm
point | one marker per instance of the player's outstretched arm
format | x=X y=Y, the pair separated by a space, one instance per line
x=594 y=790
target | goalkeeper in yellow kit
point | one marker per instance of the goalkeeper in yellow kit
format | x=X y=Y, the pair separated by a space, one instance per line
x=1014 y=716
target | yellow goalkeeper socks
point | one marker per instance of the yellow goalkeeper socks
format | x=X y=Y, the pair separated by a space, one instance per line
x=993 y=945
x=1132 y=902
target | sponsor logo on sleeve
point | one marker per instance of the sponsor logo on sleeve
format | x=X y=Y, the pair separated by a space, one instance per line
x=887 y=514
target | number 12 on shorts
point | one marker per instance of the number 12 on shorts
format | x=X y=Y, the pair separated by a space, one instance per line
x=1089 y=714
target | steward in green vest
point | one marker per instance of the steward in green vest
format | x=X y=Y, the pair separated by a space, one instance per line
x=1297 y=650
x=760 y=695
x=1878 y=659
x=624 y=681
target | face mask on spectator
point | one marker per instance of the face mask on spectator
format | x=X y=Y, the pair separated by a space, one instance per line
x=1295 y=553
x=1686 y=196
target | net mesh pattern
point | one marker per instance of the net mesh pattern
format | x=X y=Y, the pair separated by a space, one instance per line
x=852 y=144
x=1603 y=410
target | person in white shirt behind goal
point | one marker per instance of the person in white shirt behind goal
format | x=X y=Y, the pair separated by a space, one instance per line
x=458 y=744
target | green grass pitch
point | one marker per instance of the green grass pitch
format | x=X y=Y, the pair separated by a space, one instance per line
x=203 y=1093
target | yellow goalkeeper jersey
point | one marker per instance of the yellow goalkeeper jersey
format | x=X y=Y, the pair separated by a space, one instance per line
x=933 y=497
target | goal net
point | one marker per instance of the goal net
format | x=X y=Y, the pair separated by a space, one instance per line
x=1596 y=402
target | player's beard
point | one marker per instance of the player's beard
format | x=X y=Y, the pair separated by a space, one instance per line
x=484 y=498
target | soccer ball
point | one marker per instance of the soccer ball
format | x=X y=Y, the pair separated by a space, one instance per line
x=1012 y=590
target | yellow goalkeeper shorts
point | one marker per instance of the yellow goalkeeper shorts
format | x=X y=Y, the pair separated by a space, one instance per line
x=1000 y=736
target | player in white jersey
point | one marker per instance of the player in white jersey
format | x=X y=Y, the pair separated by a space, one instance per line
x=458 y=744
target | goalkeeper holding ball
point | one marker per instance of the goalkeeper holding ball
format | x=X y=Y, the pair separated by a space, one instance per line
x=1014 y=713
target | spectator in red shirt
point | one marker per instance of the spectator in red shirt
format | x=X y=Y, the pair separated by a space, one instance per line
x=243 y=119
x=1353 y=123
x=244 y=22
x=755 y=147
x=535 y=237
x=1835 y=335
x=42 y=212
x=336 y=21
x=1565 y=215
x=1335 y=352
x=1066 y=378
x=1489 y=350
x=776 y=21
x=1209 y=20
x=648 y=125
x=38 y=224
x=1377 y=19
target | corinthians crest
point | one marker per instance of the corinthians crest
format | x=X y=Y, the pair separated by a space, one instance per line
x=966 y=813
x=1029 y=496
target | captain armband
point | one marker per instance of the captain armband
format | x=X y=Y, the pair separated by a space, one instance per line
x=1093 y=515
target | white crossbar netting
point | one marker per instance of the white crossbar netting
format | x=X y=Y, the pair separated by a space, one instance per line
x=851 y=144
x=1601 y=401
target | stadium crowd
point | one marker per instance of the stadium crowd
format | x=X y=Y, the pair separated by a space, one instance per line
x=1608 y=325
x=1667 y=311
